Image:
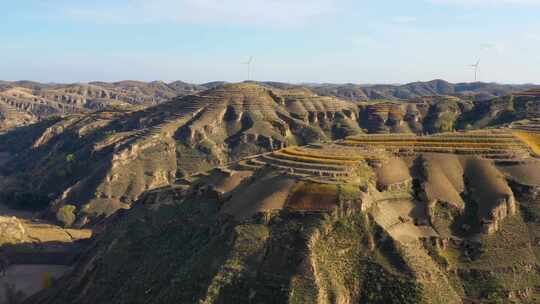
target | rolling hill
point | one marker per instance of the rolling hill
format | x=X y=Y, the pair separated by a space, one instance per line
x=104 y=160
x=25 y=102
x=475 y=90
x=265 y=193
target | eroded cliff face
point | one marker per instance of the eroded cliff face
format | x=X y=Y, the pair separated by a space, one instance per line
x=467 y=185
x=435 y=114
x=249 y=114
x=422 y=115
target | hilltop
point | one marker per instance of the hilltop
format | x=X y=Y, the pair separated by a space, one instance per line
x=27 y=102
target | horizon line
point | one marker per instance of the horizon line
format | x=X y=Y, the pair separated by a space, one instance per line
x=168 y=82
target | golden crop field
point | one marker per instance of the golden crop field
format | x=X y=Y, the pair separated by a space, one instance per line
x=311 y=159
x=442 y=144
x=311 y=154
x=531 y=139
x=458 y=139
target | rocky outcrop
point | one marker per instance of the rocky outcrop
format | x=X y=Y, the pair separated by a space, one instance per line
x=487 y=187
x=504 y=207
x=11 y=230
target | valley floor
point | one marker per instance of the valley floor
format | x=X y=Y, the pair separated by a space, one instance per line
x=43 y=253
x=22 y=281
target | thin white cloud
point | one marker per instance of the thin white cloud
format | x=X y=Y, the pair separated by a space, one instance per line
x=532 y=37
x=471 y=3
x=492 y=47
x=404 y=19
x=257 y=12
x=365 y=41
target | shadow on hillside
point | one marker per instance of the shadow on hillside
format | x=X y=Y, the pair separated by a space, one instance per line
x=45 y=253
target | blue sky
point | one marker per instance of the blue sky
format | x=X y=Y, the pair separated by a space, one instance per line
x=357 y=41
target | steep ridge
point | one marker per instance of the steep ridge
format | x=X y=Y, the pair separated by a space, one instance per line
x=250 y=113
x=103 y=161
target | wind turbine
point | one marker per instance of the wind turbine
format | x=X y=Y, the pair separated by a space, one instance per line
x=476 y=68
x=248 y=63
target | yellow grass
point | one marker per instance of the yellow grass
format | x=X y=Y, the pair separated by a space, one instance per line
x=531 y=139
x=475 y=134
x=309 y=159
x=52 y=233
x=302 y=155
x=441 y=144
x=301 y=152
x=444 y=139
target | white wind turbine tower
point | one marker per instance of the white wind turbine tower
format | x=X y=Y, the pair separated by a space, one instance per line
x=476 y=68
x=248 y=63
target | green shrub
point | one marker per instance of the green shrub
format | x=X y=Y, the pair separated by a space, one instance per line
x=70 y=158
x=66 y=215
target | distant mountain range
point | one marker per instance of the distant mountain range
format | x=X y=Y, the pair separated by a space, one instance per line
x=26 y=102
x=478 y=90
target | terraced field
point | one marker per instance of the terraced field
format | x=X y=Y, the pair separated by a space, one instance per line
x=342 y=161
x=498 y=145
x=528 y=93
x=532 y=125
x=529 y=132
x=329 y=163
